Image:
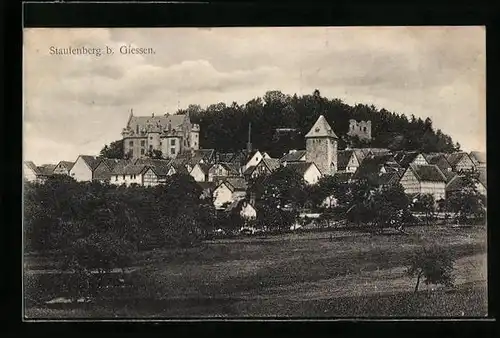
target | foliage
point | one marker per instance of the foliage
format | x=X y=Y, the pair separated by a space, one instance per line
x=434 y=264
x=387 y=207
x=425 y=203
x=114 y=150
x=155 y=154
x=468 y=201
x=225 y=127
x=327 y=186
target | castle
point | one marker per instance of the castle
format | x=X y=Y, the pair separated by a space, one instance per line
x=361 y=129
x=170 y=134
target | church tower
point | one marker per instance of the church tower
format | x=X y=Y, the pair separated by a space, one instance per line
x=321 y=146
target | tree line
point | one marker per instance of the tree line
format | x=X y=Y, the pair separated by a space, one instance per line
x=225 y=127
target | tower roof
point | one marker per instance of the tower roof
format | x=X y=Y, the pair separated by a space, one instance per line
x=321 y=129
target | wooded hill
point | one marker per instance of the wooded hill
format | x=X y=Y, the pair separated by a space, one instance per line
x=225 y=128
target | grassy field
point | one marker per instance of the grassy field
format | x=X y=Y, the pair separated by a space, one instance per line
x=293 y=275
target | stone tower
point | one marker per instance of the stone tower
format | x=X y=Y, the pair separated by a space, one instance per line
x=321 y=146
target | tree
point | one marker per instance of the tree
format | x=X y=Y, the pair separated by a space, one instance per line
x=434 y=264
x=114 y=150
x=155 y=154
x=387 y=207
x=468 y=201
x=283 y=194
x=425 y=203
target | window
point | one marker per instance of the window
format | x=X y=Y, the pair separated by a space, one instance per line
x=364 y=129
x=172 y=151
x=172 y=142
x=142 y=151
x=150 y=147
x=143 y=143
x=123 y=176
x=151 y=137
x=131 y=143
x=116 y=178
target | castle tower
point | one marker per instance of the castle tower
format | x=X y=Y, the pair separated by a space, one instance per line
x=321 y=146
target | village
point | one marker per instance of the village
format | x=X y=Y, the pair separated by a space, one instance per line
x=225 y=176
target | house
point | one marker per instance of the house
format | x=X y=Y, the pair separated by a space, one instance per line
x=157 y=171
x=200 y=172
x=405 y=158
x=229 y=191
x=83 y=168
x=246 y=210
x=208 y=189
x=63 y=167
x=307 y=170
x=223 y=169
x=46 y=170
x=252 y=159
x=457 y=183
x=440 y=160
x=373 y=166
x=208 y=155
x=460 y=161
x=31 y=172
x=349 y=160
x=129 y=174
x=264 y=167
x=102 y=172
x=294 y=156
x=479 y=158
x=424 y=179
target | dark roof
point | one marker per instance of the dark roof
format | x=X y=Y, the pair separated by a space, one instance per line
x=249 y=170
x=204 y=167
x=438 y=159
x=299 y=167
x=454 y=158
x=91 y=161
x=271 y=163
x=448 y=174
x=479 y=156
x=225 y=157
x=236 y=184
x=232 y=168
x=206 y=154
x=207 y=185
x=428 y=173
x=293 y=156
x=372 y=165
x=343 y=157
x=131 y=169
x=457 y=183
x=321 y=128
x=388 y=178
x=404 y=158
x=66 y=164
x=175 y=121
x=47 y=169
x=33 y=167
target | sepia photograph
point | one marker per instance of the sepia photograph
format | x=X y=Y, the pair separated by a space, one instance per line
x=254 y=172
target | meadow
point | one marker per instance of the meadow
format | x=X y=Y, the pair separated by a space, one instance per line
x=312 y=274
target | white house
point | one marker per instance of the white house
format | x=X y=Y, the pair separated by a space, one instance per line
x=220 y=170
x=30 y=171
x=253 y=159
x=424 y=179
x=63 y=167
x=308 y=170
x=229 y=191
x=130 y=174
x=200 y=172
x=83 y=168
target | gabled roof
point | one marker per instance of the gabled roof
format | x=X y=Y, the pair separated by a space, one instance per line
x=388 y=178
x=66 y=164
x=300 y=167
x=271 y=163
x=206 y=154
x=232 y=168
x=479 y=156
x=225 y=157
x=321 y=128
x=454 y=158
x=293 y=156
x=249 y=170
x=455 y=184
x=91 y=161
x=448 y=174
x=343 y=157
x=33 y=167
x=427 y=173
x=238 y=204
x=236 y=184
x=207 y=185
x=404 y=158
x=46 y=169
x=162 y=121
x=204 y=167
x=360 y=153
x=438 y=159
x=372 y=165
x=159 y=166
x=131 y=169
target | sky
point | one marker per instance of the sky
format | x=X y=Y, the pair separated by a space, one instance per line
x=74 y=104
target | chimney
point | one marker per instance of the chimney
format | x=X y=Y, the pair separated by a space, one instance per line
x=249 y=143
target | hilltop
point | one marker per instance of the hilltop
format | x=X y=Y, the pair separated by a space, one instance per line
x=225 y=128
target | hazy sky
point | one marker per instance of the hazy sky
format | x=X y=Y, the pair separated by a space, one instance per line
x=75 y=104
